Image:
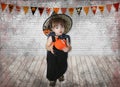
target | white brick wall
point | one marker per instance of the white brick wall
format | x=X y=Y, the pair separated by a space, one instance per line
x=90 y=35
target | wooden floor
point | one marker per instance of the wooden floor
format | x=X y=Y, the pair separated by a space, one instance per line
x=83 y=71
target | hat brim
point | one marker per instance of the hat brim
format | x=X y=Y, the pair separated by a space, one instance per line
x=46 y=28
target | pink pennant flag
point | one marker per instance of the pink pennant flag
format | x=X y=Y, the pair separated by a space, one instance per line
x=108 y=6
x=18 y=8
x=116 y=6
x=63 y=10
x=48 y=10
x=41 y=9
x=94 y=8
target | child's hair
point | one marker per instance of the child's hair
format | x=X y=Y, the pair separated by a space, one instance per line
x=55 y=21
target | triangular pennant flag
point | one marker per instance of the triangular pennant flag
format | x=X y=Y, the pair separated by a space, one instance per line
x=71 y=10
x=25 y=8
x=33 y=9
x=79 y=10
x=18 y=8
x=116 y=6
x=108 y=6
x=48 y=10
x=94 y=8
x=41 y=9
x=3 y=6
x=56 y=10
x=86 y=9
x=11 y=7
x=63 y=10
x=101 y=8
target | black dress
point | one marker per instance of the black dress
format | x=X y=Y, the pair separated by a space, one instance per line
x=56 y=63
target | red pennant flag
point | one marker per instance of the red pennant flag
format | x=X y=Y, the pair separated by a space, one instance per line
x=116 y=6
x=94 y=8
x=63 y=10
x=48 y=10
x=71 y=10
x=3 y=6
x=108 y=6
x=79 y=10
x=41 y=9
x=18 y=8
x=86 y=9
x=33 y=9
x=56 y=10
x=25 y=8
x=11 y=7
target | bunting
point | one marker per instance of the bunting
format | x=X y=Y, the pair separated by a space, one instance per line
x=116 y=6
x=71 y=10
x=56 y=10
x=25 y=8
x=86 y=9
x=11 y=7
x=41 y=9
x=18 y=8
x=94 y=8
x=3 y=6
x=63 y=10
x=33 y=9
x=101 y=8
x=48 y=10
x=79 y=10
x=108 y=6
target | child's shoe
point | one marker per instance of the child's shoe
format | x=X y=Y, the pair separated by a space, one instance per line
x=52 y=83
x=61 y=78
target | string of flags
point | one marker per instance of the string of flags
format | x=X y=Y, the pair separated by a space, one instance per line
x=63 y=10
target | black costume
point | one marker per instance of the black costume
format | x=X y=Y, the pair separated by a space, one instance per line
x=57 y=62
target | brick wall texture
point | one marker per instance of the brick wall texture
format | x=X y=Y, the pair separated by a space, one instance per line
x=97 y=34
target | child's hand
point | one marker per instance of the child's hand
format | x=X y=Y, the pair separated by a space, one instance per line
x=66 y=49
x=51 y=49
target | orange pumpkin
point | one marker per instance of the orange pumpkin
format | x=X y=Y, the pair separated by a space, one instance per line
x=60 y=44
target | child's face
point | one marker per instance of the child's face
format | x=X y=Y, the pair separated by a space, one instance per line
x=58 y=29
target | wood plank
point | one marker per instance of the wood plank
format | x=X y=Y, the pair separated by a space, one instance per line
x=35 y=71
x=38 y=78
x=43 y=73
x=10 y=72
x=79 y=68
x=15 y=77
x=68 y=75
x=83 y=74
x=21 y=71
x=105 y=71
x=112 y=63
x=90 y=71
x=24 y=74
x=75 y=73
x=5 y=62
x=102 y=80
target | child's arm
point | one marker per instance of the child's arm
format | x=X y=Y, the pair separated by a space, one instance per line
x=49 y=45
x=68 y=47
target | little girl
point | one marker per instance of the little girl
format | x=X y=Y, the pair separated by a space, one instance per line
x=58 y=46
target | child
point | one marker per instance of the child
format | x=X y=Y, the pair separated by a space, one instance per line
x=58 y=46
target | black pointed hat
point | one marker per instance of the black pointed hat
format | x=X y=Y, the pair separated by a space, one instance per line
x=47 y=25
